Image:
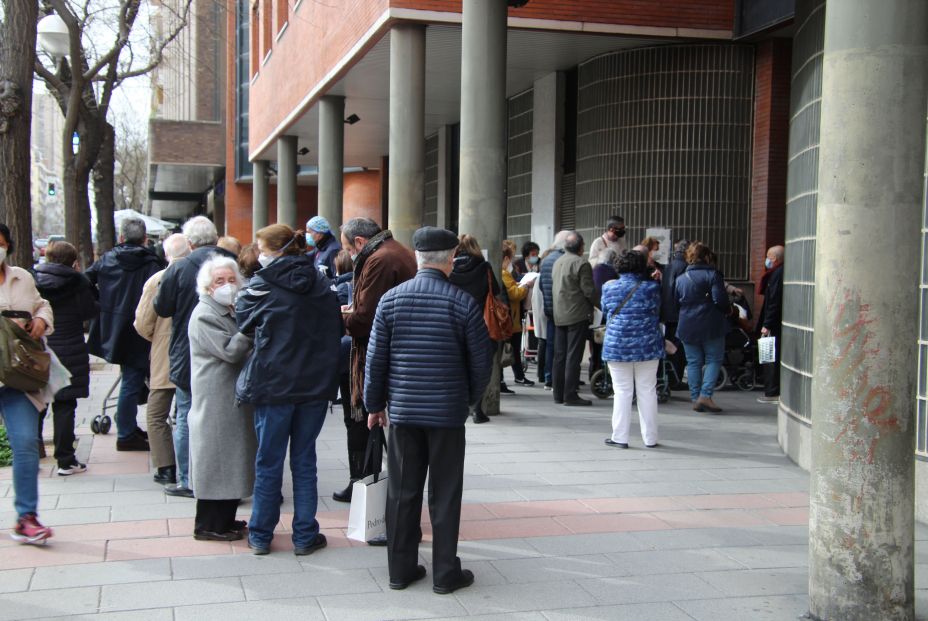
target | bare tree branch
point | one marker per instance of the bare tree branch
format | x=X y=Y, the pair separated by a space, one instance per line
x=158 y=54
x=129 y=10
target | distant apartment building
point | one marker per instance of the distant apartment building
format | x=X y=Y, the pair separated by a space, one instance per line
x=186 y=150
x=47 y=164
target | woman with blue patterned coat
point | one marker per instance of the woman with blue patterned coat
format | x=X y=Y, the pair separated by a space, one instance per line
x=633 y=347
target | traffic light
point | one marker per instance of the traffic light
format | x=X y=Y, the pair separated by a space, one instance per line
x=51 y=189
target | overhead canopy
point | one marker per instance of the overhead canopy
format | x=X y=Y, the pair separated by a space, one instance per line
x=153 y=226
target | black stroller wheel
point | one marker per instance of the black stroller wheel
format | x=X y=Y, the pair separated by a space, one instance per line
x=601 y=384
x=745 y=381
x=95 y=424
x=106 y=423
x=722 y=379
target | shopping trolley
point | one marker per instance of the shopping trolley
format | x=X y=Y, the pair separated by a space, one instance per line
x=102 y=423
x=529 y=354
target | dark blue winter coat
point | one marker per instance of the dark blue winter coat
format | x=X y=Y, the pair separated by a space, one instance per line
x=546 y=281
x=326 y=251
x=74 y=301
x=119 y=276
x=704 y=304
x=670 y=306
x=292 y=312
x=633 y=334
x=429 y=355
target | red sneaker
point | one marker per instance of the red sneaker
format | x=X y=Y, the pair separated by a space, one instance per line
x=30 y=530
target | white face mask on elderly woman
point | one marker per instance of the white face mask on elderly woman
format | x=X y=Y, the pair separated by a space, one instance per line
x=225 y=294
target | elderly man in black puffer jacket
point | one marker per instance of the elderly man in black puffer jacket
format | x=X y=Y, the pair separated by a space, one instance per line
x=428 y=362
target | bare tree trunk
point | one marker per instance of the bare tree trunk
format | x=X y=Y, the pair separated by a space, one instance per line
x=17 y=58
x=77 y=170
x=104 y=173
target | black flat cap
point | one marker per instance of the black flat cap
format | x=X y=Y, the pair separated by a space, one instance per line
x=431 y=238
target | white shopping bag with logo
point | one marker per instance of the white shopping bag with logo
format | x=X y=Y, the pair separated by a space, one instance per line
x=366 y=519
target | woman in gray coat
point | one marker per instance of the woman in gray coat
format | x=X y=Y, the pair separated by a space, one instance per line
x=222 y=433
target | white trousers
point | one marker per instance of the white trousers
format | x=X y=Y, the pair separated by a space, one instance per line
x=627 y=379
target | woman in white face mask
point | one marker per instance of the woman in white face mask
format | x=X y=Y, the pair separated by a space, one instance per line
x=222 y=434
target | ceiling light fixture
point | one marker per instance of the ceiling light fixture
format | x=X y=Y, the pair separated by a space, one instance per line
x=351 y=120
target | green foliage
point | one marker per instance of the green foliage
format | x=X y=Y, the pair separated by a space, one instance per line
x=6 y=453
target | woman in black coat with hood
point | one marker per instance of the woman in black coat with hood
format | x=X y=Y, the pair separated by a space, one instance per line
x=73 y=301
x=473 y=274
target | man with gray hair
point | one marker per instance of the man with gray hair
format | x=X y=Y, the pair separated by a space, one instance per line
x=120 y=276
x=380 y=263
x=176 y=298
x=428 y=363
x=573 y=312
x=157 y=330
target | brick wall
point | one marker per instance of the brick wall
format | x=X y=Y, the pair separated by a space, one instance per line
x=361 y=197
x=699 y=14
x=185 y=142
x=770 y=158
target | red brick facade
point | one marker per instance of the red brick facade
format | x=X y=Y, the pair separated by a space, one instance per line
x=770 y=160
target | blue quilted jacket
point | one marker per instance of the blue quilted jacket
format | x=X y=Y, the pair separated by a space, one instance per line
x=546 y=281
x=429 y=356
x=633 y=334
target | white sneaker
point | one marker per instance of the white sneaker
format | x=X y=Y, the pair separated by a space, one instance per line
x=75 y=468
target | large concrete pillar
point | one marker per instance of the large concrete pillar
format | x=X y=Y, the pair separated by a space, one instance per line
x=406 y=190
x=482 y=193
x=286 y=180
x=331 y=158
x=547 y=155
x=258 y=196
x=871 y=162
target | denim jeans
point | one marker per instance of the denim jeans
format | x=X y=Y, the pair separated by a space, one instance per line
x=182 y=436
x=549 y=349
x=22 y=420
x=300 y=423
x=127 y=407
x=708 y=354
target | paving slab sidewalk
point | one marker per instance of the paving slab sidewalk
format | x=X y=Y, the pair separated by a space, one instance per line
x=556 y=525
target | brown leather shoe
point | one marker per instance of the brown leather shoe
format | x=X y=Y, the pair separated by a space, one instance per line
x=708 y=405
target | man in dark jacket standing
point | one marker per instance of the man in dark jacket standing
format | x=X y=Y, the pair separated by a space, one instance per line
x=572 y=288
x=429 y=360
x=73 y=301
x=771 y=319
x=177 y=297
x=380 y=263
x=670 y=306
x=120 y=275
x=320 y=239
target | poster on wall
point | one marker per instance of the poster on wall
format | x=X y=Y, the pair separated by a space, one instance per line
x=663 y=253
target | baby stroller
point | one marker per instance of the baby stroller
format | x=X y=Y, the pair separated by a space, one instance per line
x=667 y=376
x=739 y=366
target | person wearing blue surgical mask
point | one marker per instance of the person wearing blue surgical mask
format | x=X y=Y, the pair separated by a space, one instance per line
x=322 y=245
x=528 y=262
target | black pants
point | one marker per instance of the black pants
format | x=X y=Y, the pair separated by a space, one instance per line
x=63 y=419
x=411 y=453
x=540 y=357
x=215 y=516
x=569 y=343
x=515 y=341
x=771 y=375
x=357 y=429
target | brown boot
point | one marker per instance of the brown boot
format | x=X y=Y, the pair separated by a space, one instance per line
x=707 y=405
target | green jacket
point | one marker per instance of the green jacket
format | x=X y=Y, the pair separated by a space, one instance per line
x=573 y=290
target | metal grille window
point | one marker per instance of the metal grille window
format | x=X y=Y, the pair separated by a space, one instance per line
x=430 y=204
x=921 y=424
x=519 y=185
x=801 y=201
x=243 y=169
x=664 y=139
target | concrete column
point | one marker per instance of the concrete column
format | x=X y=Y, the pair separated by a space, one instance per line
x=444 y=186
x=406 y=189
x=331 y=158
x=871 y=162
x=482 y=193
x=258 y=196
x=286 y=180
x=547 y=156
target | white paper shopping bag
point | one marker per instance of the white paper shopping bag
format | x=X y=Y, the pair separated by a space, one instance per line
x=368 y=506
x=767 y=349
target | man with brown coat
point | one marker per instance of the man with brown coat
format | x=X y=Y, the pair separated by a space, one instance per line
x=157 y=329
x=380 y=263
